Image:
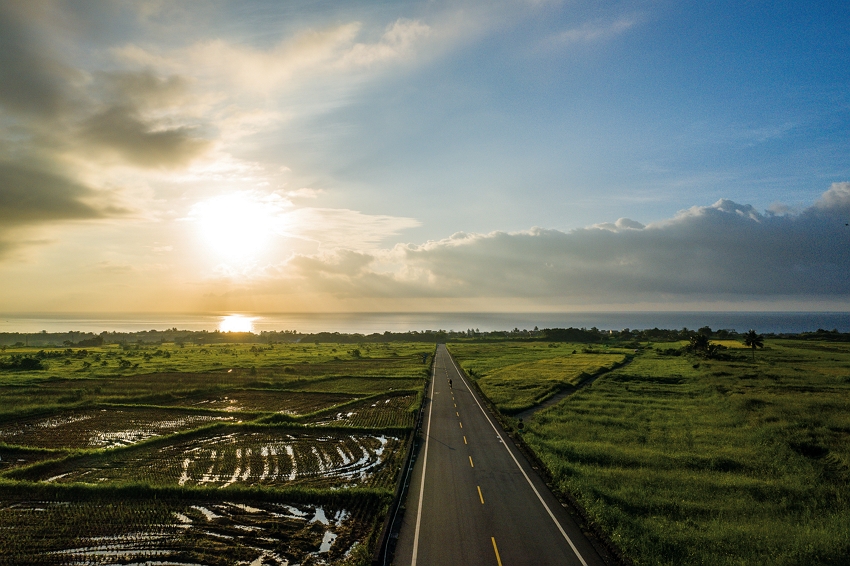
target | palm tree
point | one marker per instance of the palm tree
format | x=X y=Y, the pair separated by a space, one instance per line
x=754 y=341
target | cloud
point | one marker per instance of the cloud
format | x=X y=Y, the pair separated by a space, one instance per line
x=58 y=116
x=594 y=31
x=32 y=79
x=145 y=88
x=310 y=53
x=396 y=42
x=836 y=199
x=304 y=192
x=30 y=197
x=343 y=228
x=719 y=252
x=121 y=130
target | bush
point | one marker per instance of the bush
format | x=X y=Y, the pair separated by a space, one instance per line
x=17 y=362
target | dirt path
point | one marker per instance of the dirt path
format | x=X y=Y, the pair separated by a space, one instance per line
x=570 y=390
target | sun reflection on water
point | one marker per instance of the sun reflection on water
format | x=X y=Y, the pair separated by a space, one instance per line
x=236 y=323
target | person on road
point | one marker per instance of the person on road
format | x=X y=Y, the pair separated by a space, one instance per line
x=450 y=384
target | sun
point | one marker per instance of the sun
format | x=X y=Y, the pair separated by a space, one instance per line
x=236 y=323
x=237 y=227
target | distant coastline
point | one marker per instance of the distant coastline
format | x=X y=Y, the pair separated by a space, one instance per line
x=368 y=323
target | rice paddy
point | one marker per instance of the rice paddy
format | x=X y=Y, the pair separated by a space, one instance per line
x=283 y=455
x=70 y=531
x=267 y=456
x=103 y=428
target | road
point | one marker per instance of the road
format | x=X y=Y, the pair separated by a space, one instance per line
x=473 y=497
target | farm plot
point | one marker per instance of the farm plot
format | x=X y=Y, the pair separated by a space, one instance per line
x=271 y=458
x=361 y=385
x=14 y=457
x=102 y=428
x=183 y=532
x=388 y=411
x=287 y=402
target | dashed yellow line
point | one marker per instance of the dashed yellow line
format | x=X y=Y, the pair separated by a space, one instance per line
x=464 y=439
x=481 y=497
x=496 y=550
x=470 y=462
x=458 y=414
x=460 y=423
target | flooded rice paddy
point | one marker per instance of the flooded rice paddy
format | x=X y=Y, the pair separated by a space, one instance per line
x=286 y=402
x=242 y=458
x=103 y=428
x=172 y=532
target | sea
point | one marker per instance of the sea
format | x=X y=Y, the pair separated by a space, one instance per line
x=368 y=323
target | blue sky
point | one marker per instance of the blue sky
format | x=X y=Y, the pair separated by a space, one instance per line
x=271 y=156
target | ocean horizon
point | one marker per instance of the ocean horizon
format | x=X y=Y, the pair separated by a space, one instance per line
x=368 y=323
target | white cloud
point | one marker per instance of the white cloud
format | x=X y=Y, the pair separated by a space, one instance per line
x=343 y=228
x=594 y=31
x=397 y=42
x=304 y=192
x=311 y=53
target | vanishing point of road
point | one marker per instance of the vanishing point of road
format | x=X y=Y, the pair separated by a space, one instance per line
x=473 y=497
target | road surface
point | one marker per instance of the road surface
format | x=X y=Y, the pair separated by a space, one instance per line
x=473 y=497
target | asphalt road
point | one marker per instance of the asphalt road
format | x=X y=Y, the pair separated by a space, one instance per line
x=480 y=501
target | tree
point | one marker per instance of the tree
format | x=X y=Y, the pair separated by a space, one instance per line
x=699 y=343
x=753 y=340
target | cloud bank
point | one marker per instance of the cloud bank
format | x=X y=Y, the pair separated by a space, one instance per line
x=726 y=251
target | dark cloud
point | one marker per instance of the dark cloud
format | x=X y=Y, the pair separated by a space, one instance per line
x=29 y=198
x=47 y=98
x=718 y=252
x=144 y=89
x=32 y=80
x=122 y=130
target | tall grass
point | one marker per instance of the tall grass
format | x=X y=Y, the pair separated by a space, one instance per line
x=686 y=461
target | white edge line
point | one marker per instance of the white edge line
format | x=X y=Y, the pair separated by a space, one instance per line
x=505 y=444
x=424 y=465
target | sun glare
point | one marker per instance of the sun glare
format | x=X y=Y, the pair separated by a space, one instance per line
x=236 y=227
x=236 y=323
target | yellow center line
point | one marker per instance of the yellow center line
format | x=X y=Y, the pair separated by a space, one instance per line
x=455 y=404
x=470 y=462
x=481 y=497
x=496 y=550
x=458 y=414
x=464 y=440
x=460 y=423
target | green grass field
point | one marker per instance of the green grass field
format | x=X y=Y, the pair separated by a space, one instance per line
x=691 y=461
x=517 y=376
x=228 y=453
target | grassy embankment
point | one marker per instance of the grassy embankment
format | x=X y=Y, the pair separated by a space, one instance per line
x=721 y=462
x=203 y=435
x=516 y=376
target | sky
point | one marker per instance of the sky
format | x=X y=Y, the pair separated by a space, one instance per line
x=498 y=156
